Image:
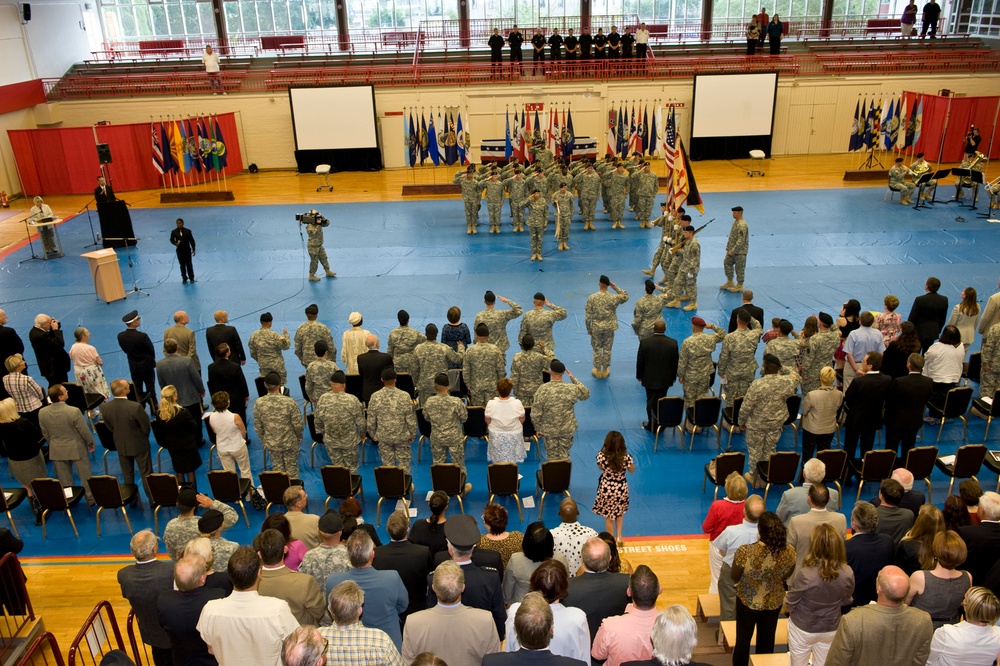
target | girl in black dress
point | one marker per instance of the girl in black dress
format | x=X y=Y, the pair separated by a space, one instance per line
x=180 y=436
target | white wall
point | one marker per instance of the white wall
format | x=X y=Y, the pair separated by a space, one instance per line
x=56 y=37
x=13 y=50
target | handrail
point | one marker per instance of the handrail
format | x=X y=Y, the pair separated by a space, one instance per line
x=17 y=609
x=94 y=635
x=37 y=648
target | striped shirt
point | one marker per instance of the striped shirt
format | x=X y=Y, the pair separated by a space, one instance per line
x=358 y=645
x=26 y=392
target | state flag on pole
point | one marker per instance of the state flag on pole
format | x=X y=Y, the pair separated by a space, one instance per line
x=464 y=145
x=633 y=134
x=165 y=147
x=177 y=147
x=569 y=136
x=612 y=141
x=685 y=187
x=219 y=152
x=853 y=144
x=406 y=141
x=508 y=146
x=442 y=139
x=432 y=143
x=887 y=125
x=556 y=132
x=918 y=122
x=870 y=126
x=423 y=139
x=411 y=142
x=622 y=133
x=901 y=124
x=157 y=151
x=191 y=145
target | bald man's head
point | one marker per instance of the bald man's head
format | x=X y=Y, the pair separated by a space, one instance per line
x=568 y=510
x=753 y=508
x=371 y=341
x=893 y=585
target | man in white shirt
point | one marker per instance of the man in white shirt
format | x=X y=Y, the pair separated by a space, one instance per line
x=245 y=628
x=641 y=42
x=211 y=61
x=859 y=343
x=568 y=538
x=732 y=538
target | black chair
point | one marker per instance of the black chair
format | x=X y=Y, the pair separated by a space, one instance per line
x=835 y=461
x=274 y=485
x=52 y=497
x=528 y=430
x=8 y=504
x=502 y=480
x=160 y=437
x=956 y=404
x=876 y=466
x=553 y=477
x=779 y=469
x=968 y=460
x=704 y=414
x=731 y=420
x=424 y=427
x=228 y=487
x=354 y=386
x=317 y=437
x=107 y=440
x=987 y=409
x=213 y=439
x=339 y=483
x=920 y=462
x=404 y=382
x=725 y=464
x=794 y=402
x=974 y=368
x=163 y=491
x=669 y=414
x=392 y=483
x=109 y=494
x=85 y=402
x=475 y=426
x=450 y=479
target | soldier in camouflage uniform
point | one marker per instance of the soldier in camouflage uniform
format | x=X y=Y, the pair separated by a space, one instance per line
x=472 y=195
x=340 y=418
x=563 y=199
x=633 y=166
x=319 y=372
x=496 y=321
x=494 y=200
x=694 y=367
x=330 y=556
x=446 y=414
x=542 y=154
x=210 y=525
x=555 y=176
x=785 y=348
x=310 y=332
x=588 y=184
x=184 y=528
x=266 y=347
x=677 y=256
x=538 y=322
x=317 y=253
x=517 y=191
x=737 y=361
x=669 y=229
x=990 y=376
x=764 y=412
x=552 y=411
x=736 y=252
x=646 y=189
x=685 y=287
x=817 y=352
x=392 y=422
x=601 y=316
x=403 y=340
x=432 y=357
x=648 y=309
x=482 y=368
x=617 y=189
x=537 y=181
x=278 y=424
x=526 y=370
x=538 y=217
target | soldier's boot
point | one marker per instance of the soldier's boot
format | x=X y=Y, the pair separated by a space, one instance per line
x=494 y=230
x=690 y=306
x=561 y=248
x=468 y=231
x=540 y=258
x=313 y=278
x=596 y=372
x=565 y=246
x=683 y=298
x=650 y=272
x=673 y=304
x=736 y=288
x=606 y=373
x=728 y=285
x=331 y=274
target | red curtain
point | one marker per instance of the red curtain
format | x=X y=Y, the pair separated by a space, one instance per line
x=64 y=161
x=958 y=113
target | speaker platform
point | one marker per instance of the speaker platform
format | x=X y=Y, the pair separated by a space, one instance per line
x=195 y=197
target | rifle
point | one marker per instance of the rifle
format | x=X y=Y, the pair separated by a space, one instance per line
x=680 y=245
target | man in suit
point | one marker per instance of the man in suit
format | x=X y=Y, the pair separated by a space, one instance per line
x=46 y=339
x=864 y=400
x=183 y=240
x=181 y=373
x=226 y=375
x=905 y=403
x=305 y=526
x=370 y=367
x=991 y=313
x=409 y=560
x=141 y=356
x=886 y=632
x=912 y=499
x=929 y=313
x=10 y=344
x=867 y=552
x=304 y=596
x=754 y=311
x=456 y=633
x=533 y=624
x=141 y=584
x=103 y=192
x=656 y=369
x=893 y=519
x=795 y=501
x=129 y=425
x=223 y=332
x=800 y=528
x=983 y=540
x=186 y=344
x=69 y=438
x=597 y=592
x=177 y=611
x=385 y=596
x=482 y=586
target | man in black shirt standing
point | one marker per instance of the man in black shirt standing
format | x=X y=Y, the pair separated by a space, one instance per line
x=600 y=42
x=586 y=42
x=496 y=47
x=555 y=44
x=614 y=43
x=931 y=14
x=182 y=239
x=572 y=46
x=628 y=40
x=515 y=39
x=537 y=51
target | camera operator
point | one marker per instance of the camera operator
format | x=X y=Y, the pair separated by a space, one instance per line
x=50 y=349
x=314 y=223
x=972 y=140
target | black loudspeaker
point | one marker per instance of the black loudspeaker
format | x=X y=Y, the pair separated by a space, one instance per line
x=26 y=11
x=104 y=153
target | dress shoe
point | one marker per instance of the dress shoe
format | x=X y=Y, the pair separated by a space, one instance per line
x=645 y=426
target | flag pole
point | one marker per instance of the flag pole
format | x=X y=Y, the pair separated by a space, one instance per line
x=225 y=177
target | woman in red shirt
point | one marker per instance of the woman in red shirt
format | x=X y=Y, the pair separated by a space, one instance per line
x=722 y=514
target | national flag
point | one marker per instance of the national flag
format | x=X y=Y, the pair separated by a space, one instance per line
x=550 y=140
x=556 y=139
x=569 y=136
x=464 y=142
x=918 y=122
x=157 y=151
x=670 y=141
x=536 y=135
x=423 y=139
x=176 y=147
x=508 y=146
x=853 y=144
x=612 y=141
x=902 y=118
x=644 y=129
x=633 y=133
x=219 y=153
x=622 y=133
x=518 y=127
x=685 y=187
x=887 y=125
x=432 y=143
x=411 y=142
x=655 y=123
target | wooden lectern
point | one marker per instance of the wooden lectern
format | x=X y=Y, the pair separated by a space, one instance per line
x=106 y=274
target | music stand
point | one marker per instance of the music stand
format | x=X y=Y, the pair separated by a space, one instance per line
x=130 y=244
x=921 y=185
x=960 y=174
x=939 y=175
x=977 y=180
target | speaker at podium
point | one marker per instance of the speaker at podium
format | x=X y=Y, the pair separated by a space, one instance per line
x=116 y=224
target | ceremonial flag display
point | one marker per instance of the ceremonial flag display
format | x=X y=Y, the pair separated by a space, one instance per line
x=612 y=141
x=157 y=151
x=508 y=146
x=856 y=132
x=569 y=136
x=432 y=143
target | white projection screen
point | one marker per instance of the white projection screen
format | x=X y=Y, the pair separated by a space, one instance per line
x=731 y=105
x=334 y=118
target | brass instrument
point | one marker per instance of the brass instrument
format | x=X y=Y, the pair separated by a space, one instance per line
x=919 y=168
x=979 y=162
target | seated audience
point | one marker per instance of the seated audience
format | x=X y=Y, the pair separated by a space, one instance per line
x=305 y=597
x=569 y=536
x=893 y=519
x=983 y=540
x=795 y=501
x=348 y=641
x=497 y=537
x=295 y=550
x=728 y=543
x=430 y=531
x=674 y=637
x=868 y=552
x=597 y=592
x=411 y=561
x=533 y=625
x=178 y=610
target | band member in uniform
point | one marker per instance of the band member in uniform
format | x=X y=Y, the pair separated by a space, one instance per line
x=897 y=181
x=918 y=169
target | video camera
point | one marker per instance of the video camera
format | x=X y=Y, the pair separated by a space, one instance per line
x=312 y=217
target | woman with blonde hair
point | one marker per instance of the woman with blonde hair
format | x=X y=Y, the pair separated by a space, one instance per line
x=965 y=316
x=819 y=414
x=916 y=550
x=723 y=513
x=941 y=590
x=976 y=640
x=180 y=433
x=23 y=445
x=87 y=364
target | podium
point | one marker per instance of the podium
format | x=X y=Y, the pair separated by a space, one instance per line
x=106 y=275
x=116 y=223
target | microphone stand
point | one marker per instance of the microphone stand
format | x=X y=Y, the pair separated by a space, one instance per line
x=129 y=244
x=33 y=257
x=97 y=239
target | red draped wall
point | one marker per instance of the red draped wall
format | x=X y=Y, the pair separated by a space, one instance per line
x=960 y=113
x=64 y=161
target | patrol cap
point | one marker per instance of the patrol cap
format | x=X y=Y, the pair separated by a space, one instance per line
x=689 y=228
x=131 y=317
x=441 y=379
x=663 y=204
x=899 y=160
x=210 y=521
x=470 y=169
x=650 y=286
x=312 y=309
x=330 y=523
x=539 y=296
x=320 y=347
x=338 y=377
x=272 y=379
x=389 y=374
x=482 y=330
x=686 y=218
x=739 y=208
x=919 y=155
x=825 y=319
x=490 y=297
x=785 y=326
x=772 y=359
x=557 y=366
x=187 y=497
x=354 y=318
x=462 y=532
x=266 y=318
x=698 y=321
x=604 y=280
x=562 y=185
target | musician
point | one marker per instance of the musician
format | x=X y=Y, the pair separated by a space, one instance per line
x=918 y=169
x=993 y=189
x=897 y=181
x=103 y=192
x=41 y=211
x=972 y=140
x=973 y=162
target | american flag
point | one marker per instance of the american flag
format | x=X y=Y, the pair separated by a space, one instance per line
x=670 y=141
